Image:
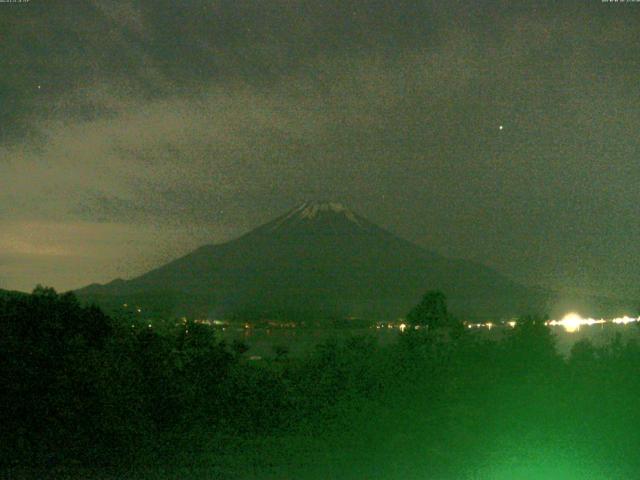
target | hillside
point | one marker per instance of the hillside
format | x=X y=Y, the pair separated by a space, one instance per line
x=319 y=260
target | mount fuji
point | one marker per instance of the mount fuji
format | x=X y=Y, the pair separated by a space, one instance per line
x=319 y=260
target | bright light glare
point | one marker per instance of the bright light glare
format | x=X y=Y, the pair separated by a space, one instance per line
x=571 y=322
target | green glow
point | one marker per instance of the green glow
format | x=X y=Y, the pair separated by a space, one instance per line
x=555 y=462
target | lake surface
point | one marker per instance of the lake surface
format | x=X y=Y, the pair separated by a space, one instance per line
x=298 y=341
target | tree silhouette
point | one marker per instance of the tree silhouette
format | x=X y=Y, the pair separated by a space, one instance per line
x=531 y=346
x=431 y=312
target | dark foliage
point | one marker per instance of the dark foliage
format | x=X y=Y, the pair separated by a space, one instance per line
x=83 y=392
x=431 y=312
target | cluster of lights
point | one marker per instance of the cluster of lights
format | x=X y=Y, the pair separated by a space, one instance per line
x=487 y=325
x=126 y=305
x=570 y=322
x=402 y=326
x=624 y=320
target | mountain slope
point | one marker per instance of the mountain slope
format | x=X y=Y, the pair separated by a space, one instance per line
x=319 y=260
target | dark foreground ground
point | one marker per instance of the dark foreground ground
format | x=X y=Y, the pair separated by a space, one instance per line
x=88 y=397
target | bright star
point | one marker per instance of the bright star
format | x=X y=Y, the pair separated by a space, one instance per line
x=501 y=127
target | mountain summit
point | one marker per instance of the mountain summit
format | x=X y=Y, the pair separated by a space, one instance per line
x=319 y=260
x=315 y=210
x=308 y=214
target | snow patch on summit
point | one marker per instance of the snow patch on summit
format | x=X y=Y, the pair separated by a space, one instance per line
x=311 y=211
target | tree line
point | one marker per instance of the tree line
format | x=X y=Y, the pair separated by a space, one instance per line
x=86 y=392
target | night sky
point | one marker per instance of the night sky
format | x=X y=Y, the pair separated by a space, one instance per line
x=503 y=132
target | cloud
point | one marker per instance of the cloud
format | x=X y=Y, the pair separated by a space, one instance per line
x=221 y=115
x=71 y=254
